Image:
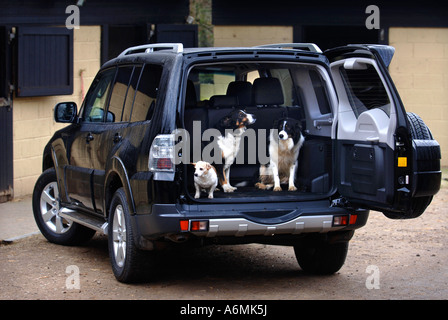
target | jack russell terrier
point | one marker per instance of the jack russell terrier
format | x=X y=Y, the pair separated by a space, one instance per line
x=205 y=179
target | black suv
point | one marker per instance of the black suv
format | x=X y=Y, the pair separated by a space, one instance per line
x=123 y=165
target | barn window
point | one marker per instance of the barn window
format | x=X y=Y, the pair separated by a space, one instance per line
x=44 y=61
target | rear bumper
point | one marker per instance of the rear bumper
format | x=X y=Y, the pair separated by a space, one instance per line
x=264 y=220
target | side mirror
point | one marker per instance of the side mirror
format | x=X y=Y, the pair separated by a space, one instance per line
x=65 y=112
x=110 y=116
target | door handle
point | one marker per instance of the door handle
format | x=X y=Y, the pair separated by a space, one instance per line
x=89 y=137
x=117 y=137
x=323 y=122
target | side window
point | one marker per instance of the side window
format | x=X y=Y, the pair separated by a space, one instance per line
x=119 y=92
x=252 y=75
x=210 y=82
x=365 y=89
x=96 y=99
x=130 y=94
x=287 y=85
x=146 y=95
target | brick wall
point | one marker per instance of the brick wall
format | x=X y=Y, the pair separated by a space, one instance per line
x=33 y=123
x=420 y=72
x=226 y=36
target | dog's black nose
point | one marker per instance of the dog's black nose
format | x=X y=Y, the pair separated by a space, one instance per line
x=281 y=135
x=195 y=174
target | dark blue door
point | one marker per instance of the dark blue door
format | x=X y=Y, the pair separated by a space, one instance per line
x=6 y=155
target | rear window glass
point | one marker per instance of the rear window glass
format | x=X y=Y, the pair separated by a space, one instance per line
x=365 y=89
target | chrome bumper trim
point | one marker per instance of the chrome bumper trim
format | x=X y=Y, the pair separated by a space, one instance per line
x=240 y=227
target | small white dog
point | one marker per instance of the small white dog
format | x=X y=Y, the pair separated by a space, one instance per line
x=205 y=179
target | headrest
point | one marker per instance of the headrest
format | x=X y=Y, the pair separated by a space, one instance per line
x=223 y=101
x=267 y=91
x=242 y=90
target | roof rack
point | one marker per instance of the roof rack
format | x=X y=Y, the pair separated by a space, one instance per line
x=175 y=47
x=301 y=46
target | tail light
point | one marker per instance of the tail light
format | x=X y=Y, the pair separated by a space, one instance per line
x=161 y=157
x=345 y=220
x=193 y=225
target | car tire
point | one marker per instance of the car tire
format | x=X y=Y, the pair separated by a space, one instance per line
x=129 y=263
x=419 y=131
x=46 y=209
x=321 y=258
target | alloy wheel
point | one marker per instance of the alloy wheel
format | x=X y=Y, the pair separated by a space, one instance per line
x=50 y=208
x=119 y=235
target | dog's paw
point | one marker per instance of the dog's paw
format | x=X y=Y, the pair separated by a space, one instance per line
x=210 y=196
x=228 y=188
x=292 y=188
x=260 y=186
x=197 y=196
x=277 y=188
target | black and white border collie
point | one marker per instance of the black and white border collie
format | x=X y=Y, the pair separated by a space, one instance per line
x=285 y=142
x=229 y=142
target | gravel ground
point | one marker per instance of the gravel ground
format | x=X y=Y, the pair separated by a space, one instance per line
x=387 y=259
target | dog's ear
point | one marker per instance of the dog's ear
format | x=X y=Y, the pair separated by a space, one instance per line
x=193 y=164
x=208 y=166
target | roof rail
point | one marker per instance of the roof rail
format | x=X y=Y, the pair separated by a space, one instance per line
x=301 y=46
x=175 y=47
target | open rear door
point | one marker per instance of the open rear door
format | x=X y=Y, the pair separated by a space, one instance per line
x=386 y=159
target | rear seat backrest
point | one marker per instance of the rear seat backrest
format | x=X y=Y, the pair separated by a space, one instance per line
x=242 y=90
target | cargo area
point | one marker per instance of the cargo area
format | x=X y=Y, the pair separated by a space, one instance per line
x=269 y=91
